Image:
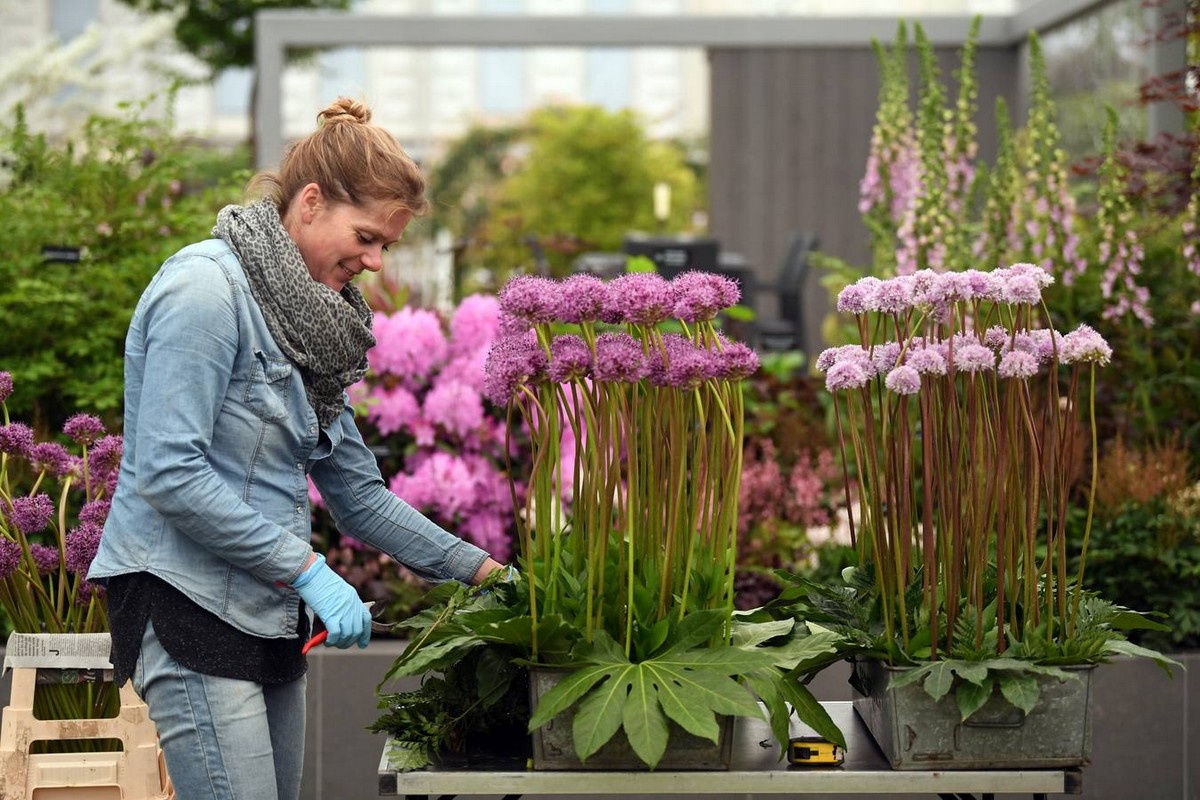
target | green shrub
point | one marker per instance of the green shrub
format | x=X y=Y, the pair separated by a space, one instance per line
x=125 y=194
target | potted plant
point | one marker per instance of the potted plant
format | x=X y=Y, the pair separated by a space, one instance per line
x=622 y=618
x=968 y=426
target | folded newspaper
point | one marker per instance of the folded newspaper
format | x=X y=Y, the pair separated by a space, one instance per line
x=58 y=650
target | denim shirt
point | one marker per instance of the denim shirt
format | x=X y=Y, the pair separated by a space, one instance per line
x=218 y=440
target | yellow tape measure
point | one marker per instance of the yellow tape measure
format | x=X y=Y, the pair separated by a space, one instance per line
x=813 y=751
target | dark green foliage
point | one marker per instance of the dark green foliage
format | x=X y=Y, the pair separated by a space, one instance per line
x=119 y=191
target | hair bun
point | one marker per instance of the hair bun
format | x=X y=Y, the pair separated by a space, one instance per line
x=345 y=110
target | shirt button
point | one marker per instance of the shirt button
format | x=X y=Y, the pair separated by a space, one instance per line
x=299 y=509
x=299 y=465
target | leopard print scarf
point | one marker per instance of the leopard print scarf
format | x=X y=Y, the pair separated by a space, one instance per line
x=325 y=333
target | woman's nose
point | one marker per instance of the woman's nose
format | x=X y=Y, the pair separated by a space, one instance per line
x=372 y=259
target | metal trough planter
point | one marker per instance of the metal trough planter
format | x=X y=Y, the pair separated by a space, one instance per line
x=916 y=732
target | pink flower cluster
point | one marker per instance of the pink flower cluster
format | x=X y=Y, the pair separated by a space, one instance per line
x=925 y=289
x=1010 y=354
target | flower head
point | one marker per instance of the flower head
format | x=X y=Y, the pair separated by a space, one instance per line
x=84 y=428
x=641 y=298
x=82 y=544
x=1084 y=344
x=904 y=379
x=849 y=374
x=95 y=512
x=45 y=557
x=16 y=439
x=532 y=298
x=735 y=361
x=581 y=299
x=701 y=295
x=393 y=410
x=6 y=385
x=927 y=361
x=512 y=361
x=474 y=324
x=1017 y=364
x=51 y=458
x=10 y=557
x=457 y=408
x=974 y=357
x=409 y=345
x=31 y=514
x=619 y=358
x=570 y=359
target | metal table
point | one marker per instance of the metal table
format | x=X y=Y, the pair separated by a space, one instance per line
x=755 y=769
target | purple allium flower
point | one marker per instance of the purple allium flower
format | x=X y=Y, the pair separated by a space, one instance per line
x=1046 y=344
x=50 y=457
x=974 y=357
x=458 y=409
x=474 y=325
x=903 y=380
x=45 y=557
x=701 y=295
x=1039 y=274
x=31 y=514
x=16 y=439
x=10 y=557
x=512 y=326
x=6 y=385
x=81 y=546
x=844 y=352
x=84 y=428
x=894 y=296
x=1017 y=364
x=932 y=288
x=1022 y=288
x=104 y=458
x=570 y=358
x=884 y=356
x=683 y=366
x=532 y=298
x=927 y=361
x=95 y=512
x=855 y=298
x=997 y=337
x=736 y=361
x=971 y=284
x=619 y=358
x=848 y=374
x=641 y=298
x=581 y=299
x=87 y=590
x=1084 y=344
x=511 y=362
x=408 y=344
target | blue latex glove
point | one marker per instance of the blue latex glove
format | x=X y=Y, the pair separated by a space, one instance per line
x=336 y=603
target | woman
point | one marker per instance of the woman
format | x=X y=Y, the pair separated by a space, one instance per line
x=236 y=363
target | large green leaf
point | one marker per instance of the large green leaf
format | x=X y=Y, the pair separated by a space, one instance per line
x=433 y=656
x=645 y=724
x=692 y=717
x=727 y=660
x=809 y=711
x=696 y=629
x=754 y=634
x=568 y=690
x=971 y=697
x=710 y=690
x=1020 y=689
x=940 y=679
x=600 y=714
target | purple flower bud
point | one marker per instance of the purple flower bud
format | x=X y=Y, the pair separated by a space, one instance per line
x=903 y=380
x=641 y=298
x=6 y=385
x=530 y=297
x=10 y=557
x=619 y=358
x=581 y=299
x=16 y=439
x=570 y=358
x=82 y=544
x=84 y=428
x=31 y=514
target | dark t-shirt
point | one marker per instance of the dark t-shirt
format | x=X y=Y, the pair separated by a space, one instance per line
x=196 y=638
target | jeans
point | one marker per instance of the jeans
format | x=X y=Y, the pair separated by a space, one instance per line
x=223 y=739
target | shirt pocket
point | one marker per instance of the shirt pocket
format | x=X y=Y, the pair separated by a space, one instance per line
x=268 y=387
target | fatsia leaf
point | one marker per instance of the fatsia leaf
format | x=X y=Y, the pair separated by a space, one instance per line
x=708 y=689
x=1020 y=689
x=697 y=628
x=600 y=713
x=753 y=634
x=971 y=697
x=765 y=683
x=1124 y=647
x=941 y=678
x=568 y=690
x=974 y=672
x=645 y=725
x=805 y=649
x=811 y=712
x=694 y=718
x=726 y=660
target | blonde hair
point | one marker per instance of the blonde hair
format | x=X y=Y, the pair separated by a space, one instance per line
x=351 y=159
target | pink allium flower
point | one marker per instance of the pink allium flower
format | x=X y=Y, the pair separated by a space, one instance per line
x=1046 y=344
x=81 y=546
x=84 y=428
x=903 y=380
x=846 y=375
x=736 y=361
x=884 y=357
x=409 y=344
x=641 y=298
x=581 y=299
x=927 y=361
x=532 y=298
x=833 y=355
x=6 y=385
x=684 y=366
x=894 y=296
x=458 y=409
x=701 y=295
x=854 y=299
x=1022 y=289
x=974 y=357
x=393 y=410
x=31 y=514
x=619 y=358
x=1084 y=344
x=570 y=359
x=474 y=325
x=997 y=337
x=1017 y=364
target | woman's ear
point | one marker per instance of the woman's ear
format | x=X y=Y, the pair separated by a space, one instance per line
x=309 y=202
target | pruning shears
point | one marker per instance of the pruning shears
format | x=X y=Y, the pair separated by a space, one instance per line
x=376 y=627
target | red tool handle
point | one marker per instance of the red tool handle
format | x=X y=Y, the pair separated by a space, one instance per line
x=313 y=642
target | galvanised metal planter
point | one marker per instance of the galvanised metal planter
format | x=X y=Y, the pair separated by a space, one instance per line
x=916 y=732
x=554 y=744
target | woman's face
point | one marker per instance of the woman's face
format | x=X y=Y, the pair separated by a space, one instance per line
x=339 y=240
